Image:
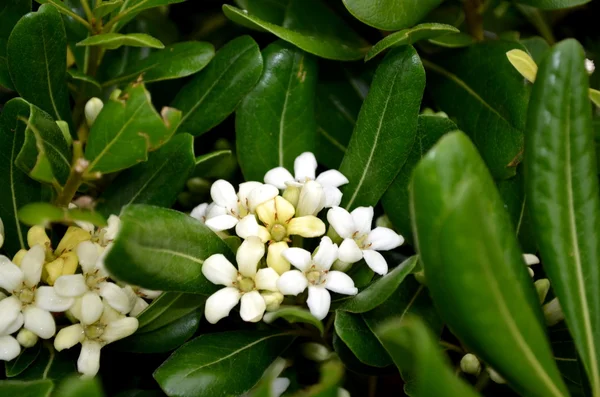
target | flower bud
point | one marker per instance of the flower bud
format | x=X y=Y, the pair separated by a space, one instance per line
x=531 y=272
x=37 y=235
x=19 y=257
x=384 y=221
x=495 y=376
x=292 y=194
x=272 y=299
x=53 y=270
x=71 y=239
x=341 y=266
x=542 y=286
x=92 y=110
x=470 y=364
x=26 y=338
x=553 y=312
x=198 y=186
x=311 y=200
x=315 y=351
x=589 y=66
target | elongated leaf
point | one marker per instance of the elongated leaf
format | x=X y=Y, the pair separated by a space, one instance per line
x=386 y=128
x=125 y=130
x=217 y=90
x=414 y=350
x=410 y=36
x=157 y=181
x=5 y=80
x=474 y=268
x=553 y=4
x=275 y=122
x=453 y=40
x=37 y=61
x=106 y=7
x=352 y=329
x=390 y=14
x=493 y=115
x=203 y=366
x=46 y=213
x=131 y=8
x=163 y=249
x=536 y=47
x=175 y=61
x=112 y=41
x=23 y=361
x=309 y=25
x=293 y=314
x=75 y=386
x=37 y=388
x=563 y=195
x=395 y=200
x=207 y=165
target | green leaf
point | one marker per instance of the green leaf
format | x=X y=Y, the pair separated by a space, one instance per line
x=330 y=380
x=204 y=366
x=380 y=290
x=45 y=213
x=175 y=61
x=88 y=83
x=474 y=267
x=390 y=14
x=414 y=350
x=354 y=332
x=5 y=80
x=106 y=7
x=309 y=25
x=157 y=181
x=385 y=130
x=553 y=4
x=275 y=122
x=493 y=115
x=37 y=61
x=264 y=387
x=163 y=249
x=395 y=200
x=293 y=314
x=37 y=388
x=563 y=194
x=206 y=164
x=23 y=361
x=50 y=365
x=217 y=90
x=131 y=8
x=453 y=40
x=420 y=32
x=125 y=130
x=10 y=13
x=112 y=41
x=537 y=47
x=75 y=386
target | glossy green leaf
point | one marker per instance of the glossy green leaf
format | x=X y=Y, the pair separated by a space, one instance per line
x=157 y=181
x=37 y=56
x=106 y=7
x=493 y=115
x=112 y=41
x=386 y=128
x=390 y=14
x=420 y=32
x=131 y=8
x=23 y=361
x=474 y=267
x=77 y=75
x=380 y=290
x=175 y=61
x=536 y=47
x=205 y=365
x=293 y=314
x=5 y=80
x=125 y=130
x=10 y=13
x=453 y=40
x=352 y=363
x=395 y=200
x=163 y=249
x=352 y=329
x=563 y=195
x=275 y=122
x=553 y=4
x=414 y=350
x=75 y=386
x=46 y=213
x=206 y=164
x=217 y=90
x=36 y=388
x=50 y=365
x=309 y=25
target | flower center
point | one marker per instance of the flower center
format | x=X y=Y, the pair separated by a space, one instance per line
x=26 y=295
x=278 y=232
x=316 y=276
x=245 y=284
x=94 y=331
x=92 y=280
x=362 y=241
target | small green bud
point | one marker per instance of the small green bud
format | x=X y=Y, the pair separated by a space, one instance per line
x=384 y=221
x=26 y=338
x=542 y=286
x=470 y=364
x=553 y=312
x=198 y=186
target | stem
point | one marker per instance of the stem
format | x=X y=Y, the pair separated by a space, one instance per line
x=75 y=176
x=473 y=18
x=73 y=15
x=450 y=346
x=88 y=11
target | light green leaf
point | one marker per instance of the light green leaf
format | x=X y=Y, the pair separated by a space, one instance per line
x=36 y=388
x=77 y=75
x=354 y=332
x=131 y=8
x=46 y=213
x=76 y=386
x=106 y=7
x=112 y=41
x=553 y=4
x=293 y=314
x=390 y=14
x=23 y=361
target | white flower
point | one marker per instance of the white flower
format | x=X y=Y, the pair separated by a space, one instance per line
x=244 y=283
x=92 y=109
x=137 y=298
x=359 y=240
x=589 y=66
x=110 y=327
x=9 y=345
x=90 y=285
x=316 y=193
x=314 y=273
x=201 y=212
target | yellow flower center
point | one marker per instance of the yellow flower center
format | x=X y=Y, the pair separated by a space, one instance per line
x=278 y=232
x=245 y=284
x=26 y=295
x=315 y=276
x=94 y=331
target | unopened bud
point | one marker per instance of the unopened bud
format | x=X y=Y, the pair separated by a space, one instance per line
x=470 y=364
x=341 y=266
x=315 y=351
x=542 y=286
x=71 y=239
x=37 y=235
x=292 y=194
x=531 y=272
x=531 y=259
x=19 y=257
x=93 y=107
x=26 y=338
x=495 y=376
x=272 y=300
x=589 y=66
x=198 y=186
x=384 y=221
x=553 y=312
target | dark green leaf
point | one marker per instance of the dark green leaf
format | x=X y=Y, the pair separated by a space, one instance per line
x=474 y=267
x=50 y=365
x=23 y=361
x=309 y=25
x=45 y=213
x=162 y=249
x=75 y=386
x=5 y=80
x=352 y=329
x=106 y=7
x=217 y=90
x=206 y=164
x=390 y=14
x=85 y=83
x=10 y=13
x=385 y=130
x=453 y=40
x=553 y=4
x=275 y=122
x=352 y=363
x=112 y=41
x=330 y=380
x=536 y=47
x=563 y=194
x=567 y=359
x=36 y=388
x=205 y=365
x=293 y=314
x=37 y=61
x=131 y=8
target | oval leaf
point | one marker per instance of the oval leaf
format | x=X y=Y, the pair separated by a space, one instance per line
x=293 y=314
x=23 y=361
x=112 y=41
x=390 y=14
x=352 y=329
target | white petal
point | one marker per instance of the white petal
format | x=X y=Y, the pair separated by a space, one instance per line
x=318 y=301
x=9 y=348
x=332 y=178
x=349 y=251
x=199 y=212
x=11 y=276
x=327 y=253
x=115 y=297
x=298 y=257
x=248 y=255
x=32 y=263
x=244 y=190
x=221 y=222
x=305 y=166
x=9 y=311
x=139 y=306
x=341 y=283
x=88 y=254
x=39 y=321
x=46 y=298
x=218 y=270
x=119 y=329
x=16 y=325
x=266 y=279
x=89 y=359
x=383 y=239
x=311 y=200
x=341 y=221
x=253 y=307
x=68 y=337
x=149 y=293
x=292 y=282
x=531 y=259
x=110 y=231
x=223 y=194
x=333 y=197
x=376 y=261
x=219 y=304
x=363 y=218
x=260 y=195
x=278 y=177
x=71 y=285
x=247 y=227
x=215 y=210
x=279 y=386
x=91 y=308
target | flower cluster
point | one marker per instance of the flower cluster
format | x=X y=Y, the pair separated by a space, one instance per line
x=273 y=219
x=41 y=283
